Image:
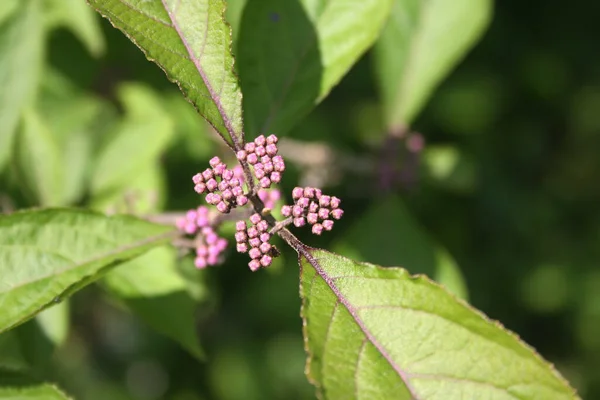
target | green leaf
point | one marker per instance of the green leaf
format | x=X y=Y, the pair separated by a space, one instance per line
x=81 y=20
x=49 y=254
x=139 y=140
x=191 y=42
x=54 y=322
x=21 y=38
x=39 y=160
x=380 y=333
x=17 y=386
x=388 y=235
x=422 y=42
x=153 y=289
x=7 y=8
x=292 y=53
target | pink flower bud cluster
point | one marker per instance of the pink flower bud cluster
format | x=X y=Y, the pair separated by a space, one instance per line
x=209 y=245
x=312 y=206
x=262 y=155
x=255 y=241
x=223 y=189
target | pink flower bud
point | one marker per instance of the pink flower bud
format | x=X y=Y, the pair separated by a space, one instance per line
x=237 y=191
x=309 y=192
x=249 y=147
x=228 y=195
x=323 y=213
x=240 y=225
x=254 y=242
x=200 y=188
x=277 y=160
x=286 y=211
x=211 y=185
x=255 y=218
x=265 y=247
x=271 y=149
x=227 y=175
x=262 y=226
x=241 y=155
x=207 y=174
x=265 y=159
x=264 y=237
x=197 y=179
x=260 y=140
x=214 y=161
x=337 y=213
x=334 y=202
x=265 y=182
x=275 y=177
x=312 y=218
x=211 y=238
x=219 y=169
x=317 y=229
x=260 y=173
x=241 y=247
x=313 y=207
x=279 y=167
x=268 y=167
x=252 y=159
x=297 y=211
x=327 y=224
x=260 y=151
x=202 y=251
x=223 y=185
x=252 y=232
x=303 y=202
x=221 y=244
x=297 y=193
x=324 y=201
x=254 y=265
x=240 y=236
x=241 y=200
x=254 y=253
x=200 y=262
x=272 y=139
x=299 y=222
x=265 y=261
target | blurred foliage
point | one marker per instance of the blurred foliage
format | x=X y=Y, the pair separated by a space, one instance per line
x=507 y=184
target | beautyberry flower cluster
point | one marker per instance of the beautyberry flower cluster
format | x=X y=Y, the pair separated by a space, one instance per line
x=262 y=155
x=207 y=242
x=224 y=190
x=255 y=241
x=312 y=206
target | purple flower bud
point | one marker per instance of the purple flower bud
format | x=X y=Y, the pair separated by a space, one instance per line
x=259 y=172
x=200 y=262
x=286 y=211
x=223 y=185
x=297 y=211
x=278 y=160
x=337 y=213
x=200 y=188
x=228 y=195
x=323 y=213
x=240 y=225
x=264 y=237
x=254 y=242
x=262 y=226
x=254 y=265
x=265 y=261
x=216 y=198
x=309 y=192
x=241 y=247
x=252 y=159
x=299 y=222
x=271 y=149
x=214 y=161
x=207 y=174
x=240 y=236
x=334 y=202
x=260 y=140
x=272 y=139
x=318 y=193
x=265 y=182
x=254 y=253
x=241 y=155
x=268 y=167
x=234 y=182
x=312 y=218
x=227 y=175
x=241 y=200
x=197 y=179
x=317 y=229
x=255 y=218
x=297 y=193
x=237 y=191
x=211 y=185
x=303 y=202
x=260 y=151
x=249 y=147
x=313 y=207
x=324 y=201
x=265 y=247
x=276 y=177
x=252 y=232
x=327 y=224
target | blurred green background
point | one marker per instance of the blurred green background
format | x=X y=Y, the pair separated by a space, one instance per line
x=508 y=184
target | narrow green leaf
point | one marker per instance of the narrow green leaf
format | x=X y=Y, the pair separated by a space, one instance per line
x=292 y=53
x=380 y=333
x=17 y=386
x=81 y=20
x=49 y=254
x=54 y=322
x=141 y=137
x=21 y=38
x=421 y=43
x=191 y=42
x=39 y=160
x=388 y=235
x=153 y=289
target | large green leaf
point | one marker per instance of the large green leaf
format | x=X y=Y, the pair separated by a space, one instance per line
x=140 y=139
x=153 y=289
x=191 y=42
x=292 y=53
x=380 y=333
x=388 y=235
x=21 y=38
x=40 y=160
x=48 y=254
x=421 y=43
x=81 y=20
x=16 y=386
